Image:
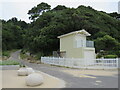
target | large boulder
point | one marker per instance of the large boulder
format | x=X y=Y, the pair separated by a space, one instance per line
x=34 y=79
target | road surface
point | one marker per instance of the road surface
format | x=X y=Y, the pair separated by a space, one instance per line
x=71 y=81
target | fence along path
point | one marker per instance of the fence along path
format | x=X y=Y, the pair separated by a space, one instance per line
x=82 y=63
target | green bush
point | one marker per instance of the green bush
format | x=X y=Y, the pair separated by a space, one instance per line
x=110 y=56
x=6 y=53
x=9 y=62
x=23 y=51
x=21 y=65
x=99 y=56
x=38 y=56
x=23 y=56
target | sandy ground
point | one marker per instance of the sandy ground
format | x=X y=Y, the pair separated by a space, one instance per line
x=0 y=76
x=11 y=80
x=91 y=73
x=0 y=79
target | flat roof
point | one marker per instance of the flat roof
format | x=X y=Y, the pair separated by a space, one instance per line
x=83 y=31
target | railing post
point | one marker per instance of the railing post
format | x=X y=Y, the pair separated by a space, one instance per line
x=41 y=59
x=102 y=63
x=64 y=61
x=52 y=60
x=85 y=63
x=117 y=63
x=59 y=61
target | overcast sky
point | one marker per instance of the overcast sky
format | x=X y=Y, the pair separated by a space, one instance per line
x=19 y=8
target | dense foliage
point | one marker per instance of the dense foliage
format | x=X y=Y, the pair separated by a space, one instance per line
x=40 y=36
x=12 y=34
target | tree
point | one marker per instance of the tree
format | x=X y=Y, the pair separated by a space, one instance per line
x=12 y=34
x=13 y=20
x=17 y=22
x=60 y=20
x=59 y=7
x=40 y=36
x=106 y=43
x=114 y=14
x=35 y=12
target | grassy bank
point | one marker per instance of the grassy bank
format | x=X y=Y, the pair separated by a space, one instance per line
x=6 y=54
x=23 y=56
x=9 y=62
x=30 y=58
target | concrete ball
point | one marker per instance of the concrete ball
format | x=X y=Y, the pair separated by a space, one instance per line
x=22 y=72
x=30 y=71
x=34 y=79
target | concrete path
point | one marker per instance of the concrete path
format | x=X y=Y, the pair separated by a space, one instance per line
x=71 y=81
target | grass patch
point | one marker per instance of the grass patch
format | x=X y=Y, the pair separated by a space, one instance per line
x=23 y=56
x=7 y=53
x=9 y=62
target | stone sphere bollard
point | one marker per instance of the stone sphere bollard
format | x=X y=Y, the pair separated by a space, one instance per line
x=29 y=71
x=25 y=71
x=34 y=79
x=22 y=72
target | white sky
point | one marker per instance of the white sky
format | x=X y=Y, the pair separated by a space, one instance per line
x=19 y=8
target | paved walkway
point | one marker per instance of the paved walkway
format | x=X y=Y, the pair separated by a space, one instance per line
x=71 y=81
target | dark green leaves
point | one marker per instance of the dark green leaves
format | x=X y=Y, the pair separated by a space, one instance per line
x=35 y=12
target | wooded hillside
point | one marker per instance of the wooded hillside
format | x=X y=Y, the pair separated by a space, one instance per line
x=40 y=36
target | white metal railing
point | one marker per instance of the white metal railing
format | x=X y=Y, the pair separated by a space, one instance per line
x=89 y=43
x=82 y=63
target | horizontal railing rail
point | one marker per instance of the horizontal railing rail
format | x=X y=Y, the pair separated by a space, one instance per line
x=89 y=43
x=82 y=63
